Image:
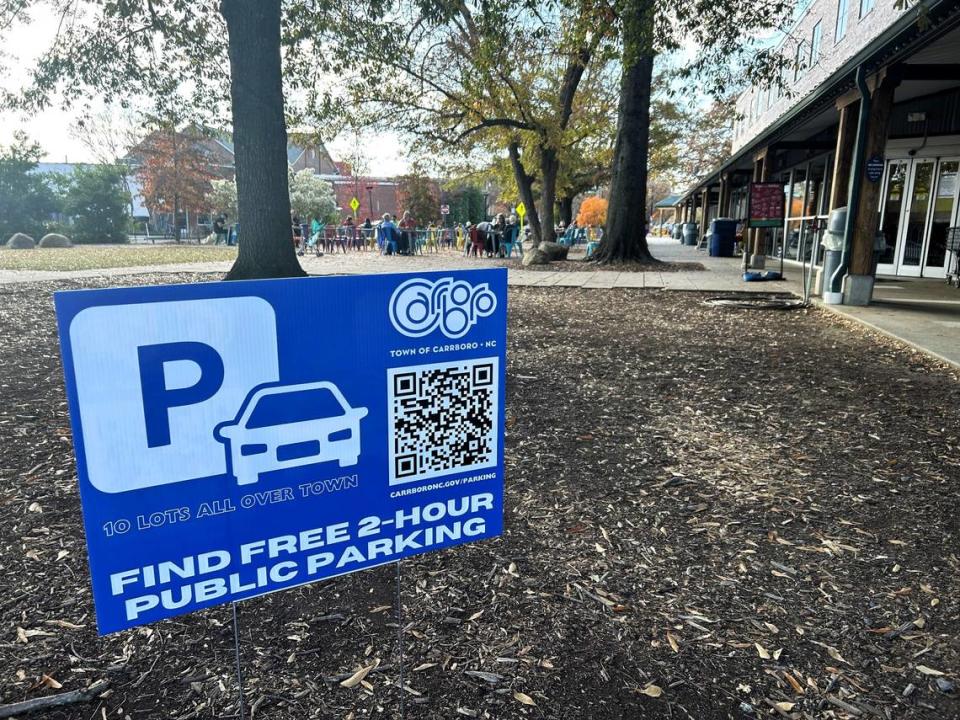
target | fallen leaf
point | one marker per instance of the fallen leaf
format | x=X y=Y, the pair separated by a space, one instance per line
x=653 y=691
x=671 y=638
x=794 y=683
x=762 y=651
x=784 y=706
x=924 y=670
x=49 y=682
x=523 y=697
x=359 y=675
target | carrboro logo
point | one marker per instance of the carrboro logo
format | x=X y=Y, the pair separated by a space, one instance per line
x=418 y=306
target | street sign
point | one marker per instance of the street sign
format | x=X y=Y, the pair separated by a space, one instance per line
x=444 y=209
x=766 y=204
x=229 y=445
x=521 y=211
x=354 y=204
x=874 y=170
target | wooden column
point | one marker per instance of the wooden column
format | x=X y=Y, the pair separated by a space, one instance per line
x=761 y=168
x=705 y=201
x=846 y=135
x=867 y=213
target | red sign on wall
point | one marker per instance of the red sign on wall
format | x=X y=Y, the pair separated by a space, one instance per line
x=766 y=204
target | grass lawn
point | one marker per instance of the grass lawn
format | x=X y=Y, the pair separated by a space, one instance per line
x=90 y=257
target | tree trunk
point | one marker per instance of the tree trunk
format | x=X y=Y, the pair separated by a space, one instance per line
x=625 y=237
x=566 y=210
x=549 y=168
x=260 y=141
x=525 y=185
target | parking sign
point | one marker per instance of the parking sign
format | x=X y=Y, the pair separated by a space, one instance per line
x=238 y=438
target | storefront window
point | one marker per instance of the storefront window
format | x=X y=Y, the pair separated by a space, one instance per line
x=942 y=213
x=797 y=193
x=892 y=206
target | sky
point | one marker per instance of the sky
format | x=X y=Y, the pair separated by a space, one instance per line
x=52 y=128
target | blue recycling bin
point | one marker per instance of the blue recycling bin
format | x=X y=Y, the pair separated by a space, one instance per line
x=723 y=237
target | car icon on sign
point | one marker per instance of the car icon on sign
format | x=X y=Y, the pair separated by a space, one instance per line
x=286 y=426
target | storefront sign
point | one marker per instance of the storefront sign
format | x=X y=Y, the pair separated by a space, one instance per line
x=875 y=168
x=230 y=444
x=766 y=204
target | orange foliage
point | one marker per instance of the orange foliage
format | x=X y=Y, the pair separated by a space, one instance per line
x=174 y=172
x=593 y=211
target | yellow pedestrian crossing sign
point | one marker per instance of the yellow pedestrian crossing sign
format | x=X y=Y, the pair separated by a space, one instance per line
x=354 y=204
x=521 y=210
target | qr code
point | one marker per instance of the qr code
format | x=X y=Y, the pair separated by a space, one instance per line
x=443 y=418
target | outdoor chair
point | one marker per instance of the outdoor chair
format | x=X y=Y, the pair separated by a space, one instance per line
x=592 y=247
x=315 y=241
x=477 y=242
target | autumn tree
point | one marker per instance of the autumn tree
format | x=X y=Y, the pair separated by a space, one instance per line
x=593 y=211
x=418 y=196
x=458 y=80
x=173 y=169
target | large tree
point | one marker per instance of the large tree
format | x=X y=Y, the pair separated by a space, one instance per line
x=722 y=62
x=107 y=47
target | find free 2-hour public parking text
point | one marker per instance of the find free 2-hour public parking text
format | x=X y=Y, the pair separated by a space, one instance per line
x=289 y=560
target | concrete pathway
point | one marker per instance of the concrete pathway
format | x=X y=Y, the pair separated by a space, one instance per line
x=922 y=313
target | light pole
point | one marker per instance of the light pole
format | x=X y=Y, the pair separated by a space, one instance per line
x=370 y=198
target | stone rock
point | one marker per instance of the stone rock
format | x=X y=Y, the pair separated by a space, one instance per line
x=55 y=240
x=535 y=257
x=555 y=251
x=19 y=241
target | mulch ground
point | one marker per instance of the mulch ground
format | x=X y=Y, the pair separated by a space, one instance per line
x=711 y=513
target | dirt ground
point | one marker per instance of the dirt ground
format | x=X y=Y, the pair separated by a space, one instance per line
x=710 y=513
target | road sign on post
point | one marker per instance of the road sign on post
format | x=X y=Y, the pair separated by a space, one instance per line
x=229 y=446
x=521 y=210
x=354 y=204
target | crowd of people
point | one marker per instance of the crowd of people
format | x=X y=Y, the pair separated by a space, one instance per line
x=500 y=237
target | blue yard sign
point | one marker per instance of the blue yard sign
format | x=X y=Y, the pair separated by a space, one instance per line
x=238 y=438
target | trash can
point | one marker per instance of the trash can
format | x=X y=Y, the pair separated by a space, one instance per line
x=677 y=232
x=833 y=251
x=690 y=233
x=723 y=237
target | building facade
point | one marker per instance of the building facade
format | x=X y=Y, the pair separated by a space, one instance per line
x=871 y=121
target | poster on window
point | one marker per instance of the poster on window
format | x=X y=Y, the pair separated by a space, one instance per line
x=766 y=205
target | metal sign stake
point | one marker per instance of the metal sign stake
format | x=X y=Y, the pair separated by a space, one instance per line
x=236 y=650
x=403 y=697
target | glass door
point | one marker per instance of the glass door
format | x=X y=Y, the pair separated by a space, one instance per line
x=913 y=229
x=944 y=205
x=890 y=214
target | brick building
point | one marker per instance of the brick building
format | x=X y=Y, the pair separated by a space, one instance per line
x=872 y=123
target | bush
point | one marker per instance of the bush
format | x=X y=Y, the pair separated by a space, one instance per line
x=55 y=240
x=98 y=202
x=19 y=241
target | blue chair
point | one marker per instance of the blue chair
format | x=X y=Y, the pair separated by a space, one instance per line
x=591 y=247
x=387 y=240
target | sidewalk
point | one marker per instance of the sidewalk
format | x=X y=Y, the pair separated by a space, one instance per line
x=922 y=313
